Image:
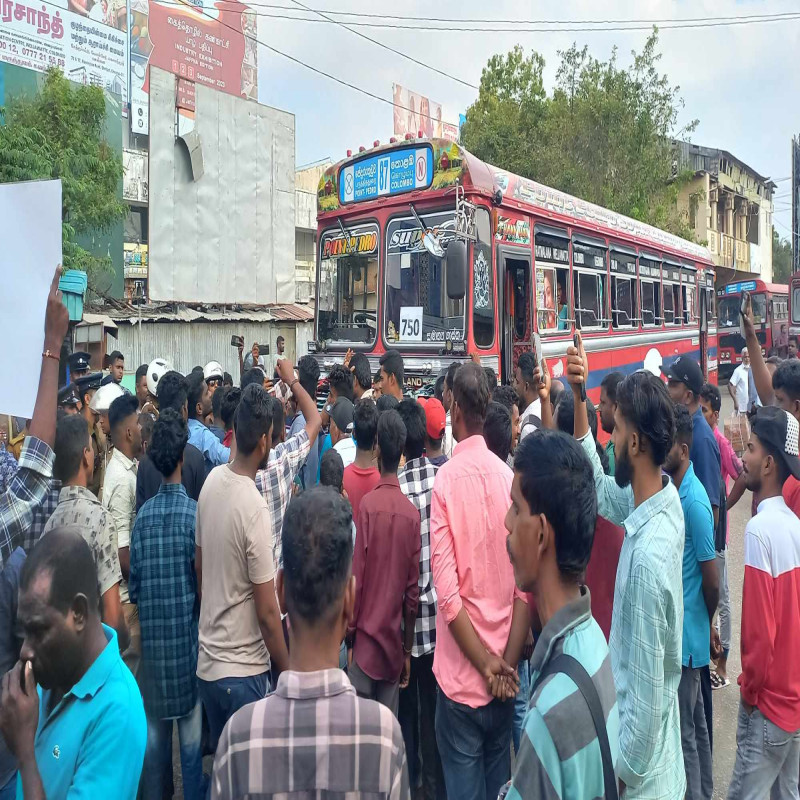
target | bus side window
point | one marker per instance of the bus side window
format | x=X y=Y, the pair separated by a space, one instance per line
x=689 y=311
x=552 y=310
x=651 y=303
x=590 y=299
x=672 y=304
x=623 y=308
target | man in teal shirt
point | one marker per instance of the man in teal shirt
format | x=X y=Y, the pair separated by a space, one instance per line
x=84 y=733
x=647 y=622
x=700 y=596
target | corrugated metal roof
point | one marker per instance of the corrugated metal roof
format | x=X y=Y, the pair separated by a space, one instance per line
x=119 y=312
x=98 y=319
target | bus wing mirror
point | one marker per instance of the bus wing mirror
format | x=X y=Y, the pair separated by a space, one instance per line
x=456 y=257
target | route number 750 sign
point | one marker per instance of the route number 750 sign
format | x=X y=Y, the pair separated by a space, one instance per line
x=411 y=324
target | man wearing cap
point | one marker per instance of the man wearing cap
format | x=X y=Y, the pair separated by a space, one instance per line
x=685 y=382
x=78 y=365
x=435 y=427
x=213 y=375
x=342 y=430
x=100 y=404
x=87 y=386
x=768 y=735
x=68 y=399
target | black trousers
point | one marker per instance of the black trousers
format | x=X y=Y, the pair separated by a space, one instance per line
x=417 y=715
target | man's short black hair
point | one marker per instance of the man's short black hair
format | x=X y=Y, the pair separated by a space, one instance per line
x=359 y=363
x=317 y=553
x=450 y=375
x=115 y=356
x=413 y=416
x=391 y=440
x=278 y=420
x=341 y=379
x=195 y=391
x=497 y=430
x=197 y=368
x=507 y=397
x=711 y=395
x=121 y=409
x=72 y=437
x=253 y=377
x=386 y=402
x=787 y=378
x=527 y=364
x=216 y=403
x=146 y=423
x=565 y=422
x=172 y=390
x=68 y=559
x=280 y=339
x=438 y=387
x=170 y=435
x=777 y=456
x=491 y=378
x=227 y=379
x=644 y=403
x=308 y=374
x=392 y=363
x=793 y=338
x=141 y=372
x=556 y=480
x=365 y=424
x=331 y=470
x=683 y=425
x=610 y=383
x=230 y=401
x=471 y=393
x=253 y=418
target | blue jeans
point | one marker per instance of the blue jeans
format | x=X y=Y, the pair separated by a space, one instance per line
x=521 y=702
x=158 y=755
x=226 y=696
x=475 y=747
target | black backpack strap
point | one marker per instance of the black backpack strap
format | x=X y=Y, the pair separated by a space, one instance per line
x=573 y=669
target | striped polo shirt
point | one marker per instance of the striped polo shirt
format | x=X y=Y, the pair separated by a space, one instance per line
x=559 y=754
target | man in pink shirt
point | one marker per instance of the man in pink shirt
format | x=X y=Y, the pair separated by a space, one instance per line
x=482 y=620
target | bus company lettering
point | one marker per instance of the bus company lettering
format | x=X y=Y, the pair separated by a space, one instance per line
x=544 y=252
x=339 y=246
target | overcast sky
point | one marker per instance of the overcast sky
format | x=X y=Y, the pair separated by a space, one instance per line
x=735 y=80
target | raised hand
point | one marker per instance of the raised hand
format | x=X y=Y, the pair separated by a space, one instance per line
x=577 y=366
x=56 y=317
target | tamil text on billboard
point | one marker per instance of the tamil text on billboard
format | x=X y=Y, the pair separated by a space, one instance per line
x=209 y=44
x=37 y=36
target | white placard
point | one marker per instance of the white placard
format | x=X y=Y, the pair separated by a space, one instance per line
x=411 y=324
x=30 y=230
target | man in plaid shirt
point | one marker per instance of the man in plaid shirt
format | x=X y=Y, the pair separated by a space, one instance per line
x=338 y=744
x=417 y=710
x=286 y=458
x=163 y=584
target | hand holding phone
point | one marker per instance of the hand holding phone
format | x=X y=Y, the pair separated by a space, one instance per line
x=537 y=349
x=577 y=366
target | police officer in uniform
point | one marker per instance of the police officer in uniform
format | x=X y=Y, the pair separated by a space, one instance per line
x=78 y=365
x=69 y=399
x=87 y=386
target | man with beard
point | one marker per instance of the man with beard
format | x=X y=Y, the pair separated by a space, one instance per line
x=240 y=623
x=199 y=407
x=647 y=622
x=607 y=407
x=768 y=734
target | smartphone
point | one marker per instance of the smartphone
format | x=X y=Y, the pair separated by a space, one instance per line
x=237 y=341
x=745 y=298
x=583 y=385
x=263 y=349
x=537 y=349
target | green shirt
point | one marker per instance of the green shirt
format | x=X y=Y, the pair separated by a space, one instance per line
x=610 y=454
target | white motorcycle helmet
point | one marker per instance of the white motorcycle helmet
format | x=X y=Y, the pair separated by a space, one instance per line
x=105 y=396
x=155 y=371
x=213 y=370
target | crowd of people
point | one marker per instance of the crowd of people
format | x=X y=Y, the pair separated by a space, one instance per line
x=393 y=597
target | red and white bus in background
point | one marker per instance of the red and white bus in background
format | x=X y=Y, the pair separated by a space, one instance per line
x=771 y=315
x=426 y=249
x=794 y=305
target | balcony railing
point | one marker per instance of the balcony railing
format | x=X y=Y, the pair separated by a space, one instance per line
x=729 y=252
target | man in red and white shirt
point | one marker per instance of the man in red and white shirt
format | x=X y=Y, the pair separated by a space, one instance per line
x=768 y=736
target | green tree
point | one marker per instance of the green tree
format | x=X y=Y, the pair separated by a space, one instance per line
x=781 y=258
x=58 y=133
x=604 y=134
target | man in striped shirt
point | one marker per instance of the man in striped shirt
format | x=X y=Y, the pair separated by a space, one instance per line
x=551 y=528
x=314 y=737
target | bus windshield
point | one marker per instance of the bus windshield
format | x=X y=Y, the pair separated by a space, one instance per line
x=728 y=310
x=418 y=309
x=348 y=285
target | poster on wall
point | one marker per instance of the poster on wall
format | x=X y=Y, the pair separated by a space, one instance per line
x=207 y=43
x=86 y=50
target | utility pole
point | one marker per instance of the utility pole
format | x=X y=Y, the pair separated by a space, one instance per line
x=795 y=204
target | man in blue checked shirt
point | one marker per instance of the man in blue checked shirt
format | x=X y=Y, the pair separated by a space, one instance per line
x=199 y=407
x=647 y=623
x=28 y=489
x=163 y=584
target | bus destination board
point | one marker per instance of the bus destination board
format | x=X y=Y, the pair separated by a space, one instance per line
x=386 y=174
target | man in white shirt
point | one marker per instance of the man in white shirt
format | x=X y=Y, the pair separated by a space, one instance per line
x=527 y=386
x=739 y=385
x=342 y=430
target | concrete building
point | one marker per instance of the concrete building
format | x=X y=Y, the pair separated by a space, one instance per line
x=305 y=233
x=729 y=205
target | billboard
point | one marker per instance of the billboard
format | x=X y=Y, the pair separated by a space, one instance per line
x=206 y=43
x=414 y=113
x=86 y=50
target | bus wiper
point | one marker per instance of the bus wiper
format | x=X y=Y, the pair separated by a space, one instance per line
x=430 y=240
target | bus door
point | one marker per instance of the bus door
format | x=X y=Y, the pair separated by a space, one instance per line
x=703 y=298
x=516 y=319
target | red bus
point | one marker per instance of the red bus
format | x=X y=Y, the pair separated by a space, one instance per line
x=771 y=313
x=794 y=305
x=426 y=249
